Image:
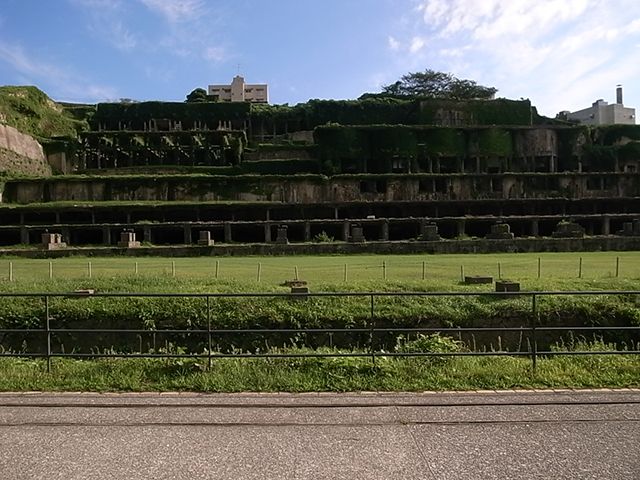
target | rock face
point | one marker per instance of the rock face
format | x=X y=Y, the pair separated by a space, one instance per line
x=21 y=154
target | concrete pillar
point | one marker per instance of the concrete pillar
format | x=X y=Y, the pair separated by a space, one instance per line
x=307 y=231
x=66 y=235
x=345 y=230
x=205 y=239
x=422 y=226
x=187 y=235
x=24 y=236
x=384 y=231
x=267 y=232
x=106 y=235
x=606 y=225
x=282 y=237
x=461 y=228
x=146 y=234
x=535 y=228
x=227 y=233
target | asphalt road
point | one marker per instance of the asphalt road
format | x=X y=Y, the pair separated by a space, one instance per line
x=484 y=435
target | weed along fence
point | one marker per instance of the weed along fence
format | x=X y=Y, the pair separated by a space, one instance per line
x=445 y=268
x=206 y=326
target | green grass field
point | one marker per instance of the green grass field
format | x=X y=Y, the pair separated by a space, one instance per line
x=435 y=270
x=560 y=271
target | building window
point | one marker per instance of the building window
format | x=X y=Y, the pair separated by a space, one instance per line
x=425 y=185
x=594 y=183
x=441 y=185
x=373 y=186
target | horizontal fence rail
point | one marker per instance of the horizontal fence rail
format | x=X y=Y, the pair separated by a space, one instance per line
x=533 y=329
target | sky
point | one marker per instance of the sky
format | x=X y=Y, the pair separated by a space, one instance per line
x=561 y=54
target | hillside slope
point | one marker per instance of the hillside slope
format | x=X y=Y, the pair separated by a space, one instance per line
x=31 y=111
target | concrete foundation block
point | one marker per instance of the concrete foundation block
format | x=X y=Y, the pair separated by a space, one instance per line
x=477 y=279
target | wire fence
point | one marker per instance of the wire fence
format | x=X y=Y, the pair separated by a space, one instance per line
x=446 y=268
x=371 y=332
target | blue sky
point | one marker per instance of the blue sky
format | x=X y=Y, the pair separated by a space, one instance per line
x=562 y=54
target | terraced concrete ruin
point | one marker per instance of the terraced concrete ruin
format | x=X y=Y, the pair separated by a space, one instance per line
x=423 y=175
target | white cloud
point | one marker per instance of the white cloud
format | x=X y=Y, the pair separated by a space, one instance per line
x=176 y=11
x=215 y=54
x=393 y=43
x=114 y=32
x=106 y=22
x=63 y=82
x=97 y=4
x=416 y=44
x=563 y=54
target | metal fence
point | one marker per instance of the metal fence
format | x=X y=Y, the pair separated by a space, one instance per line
x=534 y=328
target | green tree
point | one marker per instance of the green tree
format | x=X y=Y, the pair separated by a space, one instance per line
x=432 y=84
x=199 y=95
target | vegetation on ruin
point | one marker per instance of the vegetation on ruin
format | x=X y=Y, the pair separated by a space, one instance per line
x=31 y=111
x=308 y=115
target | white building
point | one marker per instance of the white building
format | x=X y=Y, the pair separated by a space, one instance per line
x=601 y=113
x=239 y=91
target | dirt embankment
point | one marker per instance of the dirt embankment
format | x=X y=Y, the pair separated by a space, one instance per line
x=21 y=154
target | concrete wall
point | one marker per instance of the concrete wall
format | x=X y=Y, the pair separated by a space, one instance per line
x=522 y=245
x=335 y=189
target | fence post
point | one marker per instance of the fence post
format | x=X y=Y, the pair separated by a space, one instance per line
x=499 y=271
x=580 y=268
x=89 y=272
x=50 y=270
x=617 y=266
x=462 y=273
x=217 y=268
x=209 y=330
x=371 y=332
x=345 y=273
x=47 y=326
x=295 y=272
x=259 y=271
x=384 y=269
x=173 y=268
x=424 y=270
x=534 y=319
x=135 y=268
x=539 y=265
x=11 y=271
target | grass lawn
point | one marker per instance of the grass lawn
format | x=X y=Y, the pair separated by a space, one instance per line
x=559 y=271
x=445 y=270
x=330 y=374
